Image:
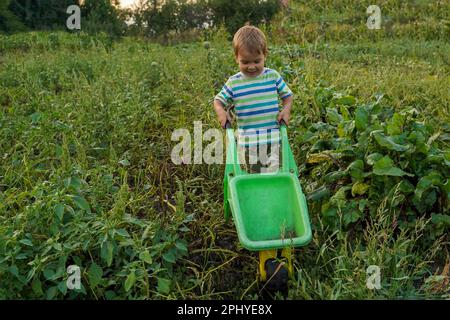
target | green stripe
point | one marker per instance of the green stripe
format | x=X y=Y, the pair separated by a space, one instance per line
x=247 y=120
x=269 y=96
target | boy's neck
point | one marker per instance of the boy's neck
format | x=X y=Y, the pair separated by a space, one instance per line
x=248 y=77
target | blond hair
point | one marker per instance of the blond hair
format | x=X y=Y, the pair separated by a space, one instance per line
x=251 y=39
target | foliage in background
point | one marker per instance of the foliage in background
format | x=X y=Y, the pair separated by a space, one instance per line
x=8 y=21
x=361 y=154
x=234 y=14
x=96 y=15
x=41 y=14
x=159 y=18
x=102 y=16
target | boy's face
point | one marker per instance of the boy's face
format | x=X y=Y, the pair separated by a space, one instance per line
x=251 y=64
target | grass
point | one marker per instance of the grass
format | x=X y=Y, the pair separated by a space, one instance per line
x=86 y=126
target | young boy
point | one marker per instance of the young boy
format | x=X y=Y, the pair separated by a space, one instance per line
x=254 y=91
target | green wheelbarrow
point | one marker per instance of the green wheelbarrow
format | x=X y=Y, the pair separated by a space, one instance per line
x=269 y=210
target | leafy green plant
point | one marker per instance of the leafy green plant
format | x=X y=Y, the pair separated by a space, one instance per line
x=364 y=153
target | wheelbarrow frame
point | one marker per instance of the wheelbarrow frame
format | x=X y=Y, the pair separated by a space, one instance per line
x=233 y=170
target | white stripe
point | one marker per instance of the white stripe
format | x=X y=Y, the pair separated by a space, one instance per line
x=256 y=109
x=271 y=85
x=257 y=122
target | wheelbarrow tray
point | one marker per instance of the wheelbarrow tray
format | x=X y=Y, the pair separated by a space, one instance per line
x=269 y=211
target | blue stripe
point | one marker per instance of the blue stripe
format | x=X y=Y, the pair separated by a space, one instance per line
x=279 y=81
x=287 y=95
x=225 y=96
x=242 y=94
x=240 y=114
x=258 y=132
x=259 y=125
x=282 y=87
x=257 y=105
x=253 y=85
x=259 y=143
x=228 y=90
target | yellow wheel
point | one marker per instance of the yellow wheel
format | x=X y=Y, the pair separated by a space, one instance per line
x=275 y=271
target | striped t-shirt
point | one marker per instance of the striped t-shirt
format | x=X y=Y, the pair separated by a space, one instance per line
x=256 y=105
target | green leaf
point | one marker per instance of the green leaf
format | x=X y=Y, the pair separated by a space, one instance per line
x=124 y=162
x=359 y=188
x=361 y=119
x=181 y=245
x=374 y=157
x=129 y=282
x=384 y=167
x=146 y=257
x=62 y=286
x=425 y=203
x=169 y=256
x=36 y=285
x=335 y=175
x=59 y=211
x=95 y=274
x=388 y=143
x=49 y=274
x=418 y=139
x=345 y=100
x=36 y=117
x=74 y=183
x=431 y=179
x=343 y=110
x=81 y=203
x=333 y=116
x=163 y=285
x=356 y=169
x=395 y=125
x=107 y=252
x=122 y=232
x=406 y=187
x=51 y=292
x=327 y=211
x=14 y=270
x=351 y=217
x=339 y=199
x=319 y=194
x=26 y=242
x=440 y=219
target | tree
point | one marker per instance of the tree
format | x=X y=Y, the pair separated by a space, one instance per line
x=234 y=14
x=42 y=14
x=8 y=21
x=102 y=16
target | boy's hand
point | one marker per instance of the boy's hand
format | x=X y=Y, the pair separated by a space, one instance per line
x=285 y=114
x=223 y=118
x=222 y=114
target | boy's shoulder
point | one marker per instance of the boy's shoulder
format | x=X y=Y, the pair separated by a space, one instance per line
x=267 y=73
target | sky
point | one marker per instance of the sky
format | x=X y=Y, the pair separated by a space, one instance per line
x=127 y=3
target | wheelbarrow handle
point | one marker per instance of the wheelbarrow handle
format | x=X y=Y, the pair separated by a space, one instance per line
x=227 y=125
x=282 y=122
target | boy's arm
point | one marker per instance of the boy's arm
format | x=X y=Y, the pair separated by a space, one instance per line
x=285 y=114
x=222 y=114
